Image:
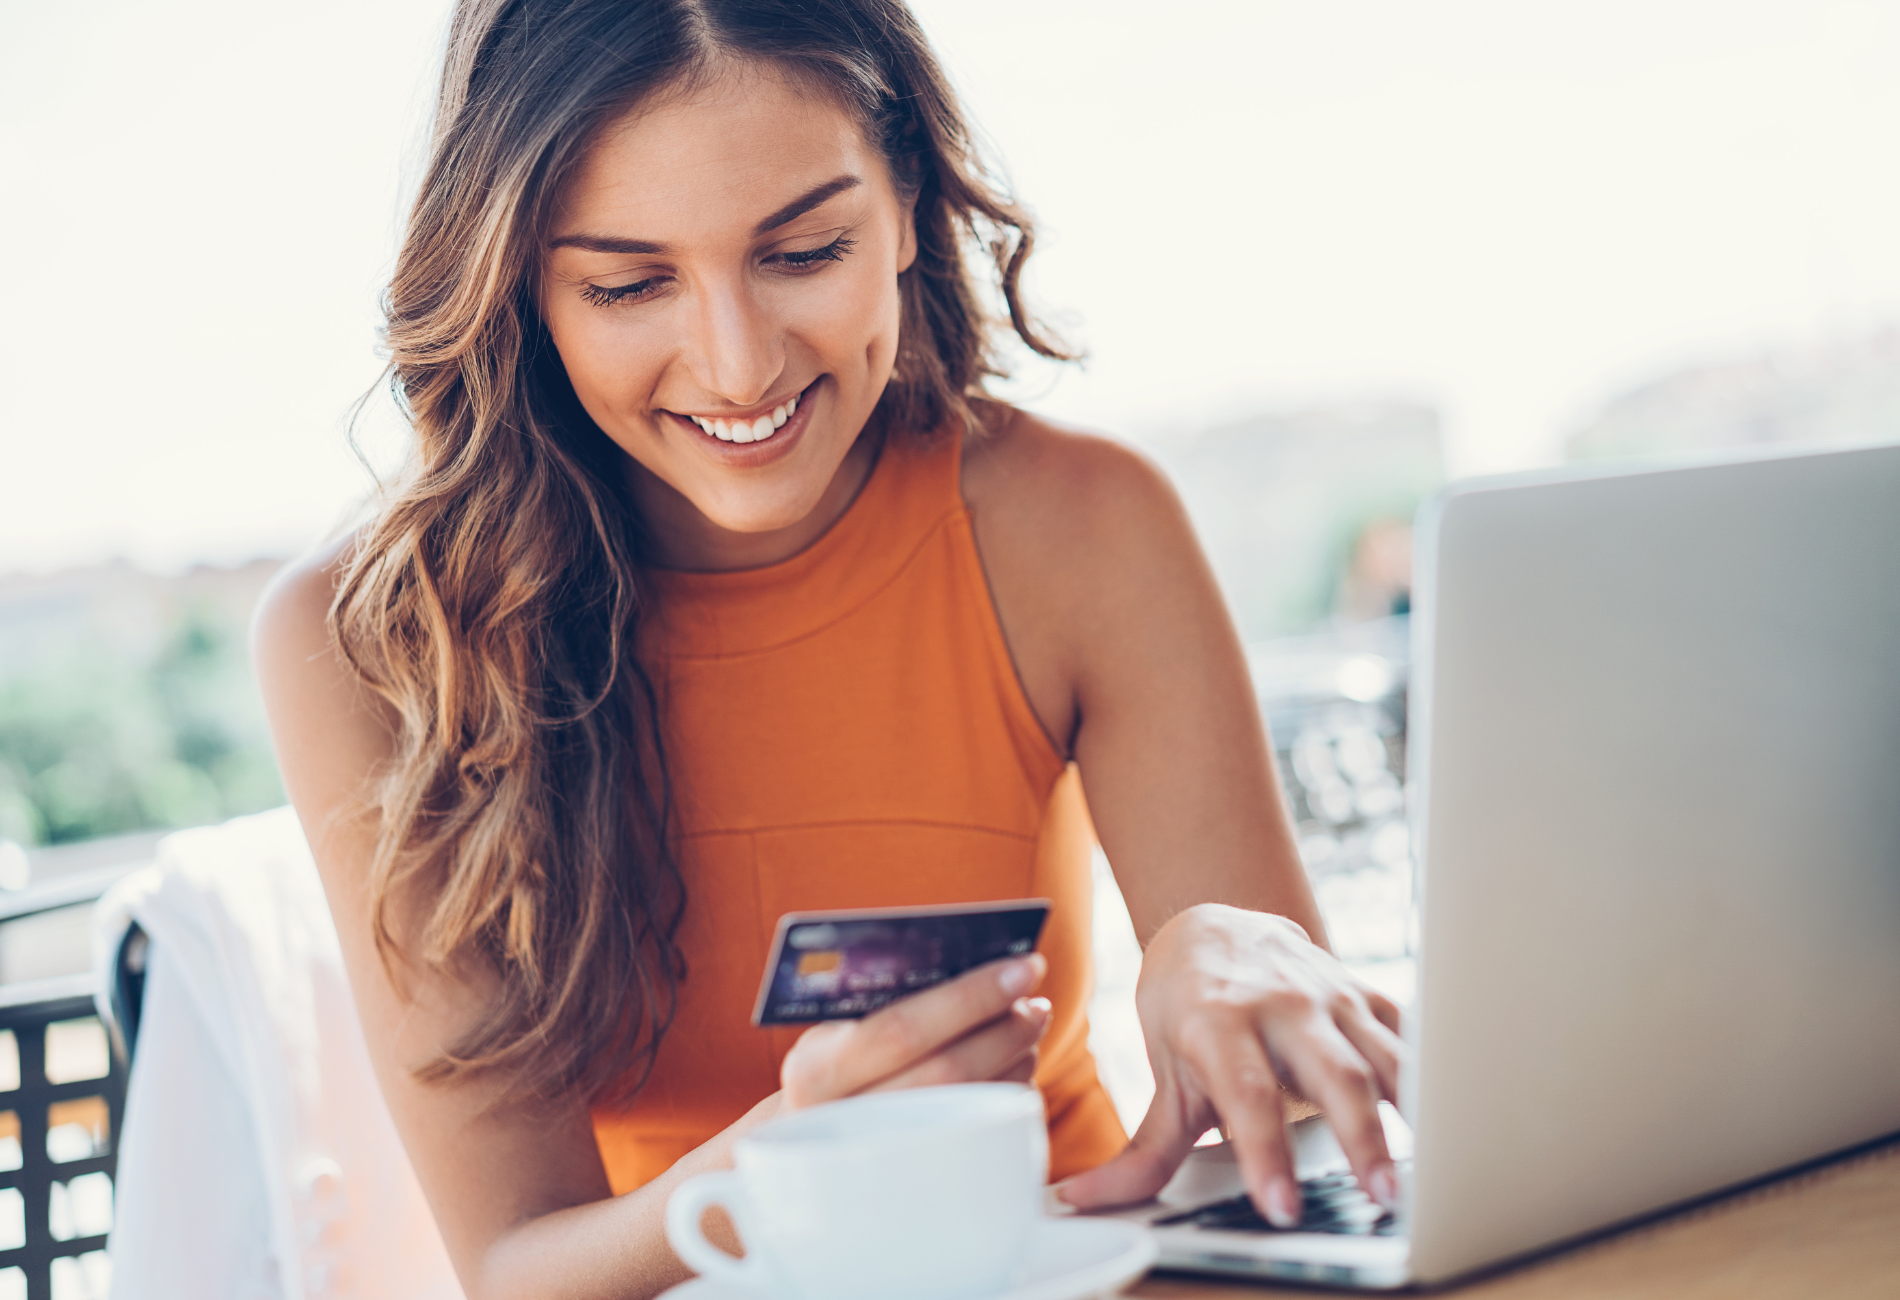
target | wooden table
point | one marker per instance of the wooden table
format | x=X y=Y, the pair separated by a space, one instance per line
x=1831 y=1231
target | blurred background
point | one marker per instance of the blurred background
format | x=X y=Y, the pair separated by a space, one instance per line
x=1323 y=257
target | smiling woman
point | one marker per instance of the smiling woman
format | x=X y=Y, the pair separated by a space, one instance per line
x=718 y=589
x=713 y=327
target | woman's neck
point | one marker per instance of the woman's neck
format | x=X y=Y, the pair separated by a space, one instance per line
x=679 y=536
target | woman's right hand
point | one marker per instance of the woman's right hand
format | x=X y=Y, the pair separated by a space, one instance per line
x=980 y=1026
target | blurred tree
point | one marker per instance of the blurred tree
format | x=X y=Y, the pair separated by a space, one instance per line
x=95 y=745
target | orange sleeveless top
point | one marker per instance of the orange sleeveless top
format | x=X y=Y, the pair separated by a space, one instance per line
x=846 y=729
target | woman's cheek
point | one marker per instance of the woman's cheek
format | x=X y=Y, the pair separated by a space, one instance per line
x=855 y=315
x=608 y=367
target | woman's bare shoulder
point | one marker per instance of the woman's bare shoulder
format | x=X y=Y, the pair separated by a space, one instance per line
x=329 y=728
x=292 y=616
x=1073 y=509
x=1024 y=462
x=1084 y=543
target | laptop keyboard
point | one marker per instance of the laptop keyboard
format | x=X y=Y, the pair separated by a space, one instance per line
x=1328 y=1203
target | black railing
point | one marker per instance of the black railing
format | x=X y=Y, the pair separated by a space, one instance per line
x=65 y=1113
x=33 y=1104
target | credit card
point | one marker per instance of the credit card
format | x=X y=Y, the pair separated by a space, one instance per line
x=842 y=965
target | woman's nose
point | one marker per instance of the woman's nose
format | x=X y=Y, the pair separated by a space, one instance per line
x=738 y=347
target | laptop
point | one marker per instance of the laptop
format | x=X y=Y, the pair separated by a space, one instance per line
x=1655 y=771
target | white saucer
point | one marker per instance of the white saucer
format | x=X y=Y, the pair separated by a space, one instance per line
x=1069 y=1259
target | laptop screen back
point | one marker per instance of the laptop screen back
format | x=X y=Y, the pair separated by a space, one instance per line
x=1656 y=762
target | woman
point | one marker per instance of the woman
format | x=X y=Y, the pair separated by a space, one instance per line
x=716 y=590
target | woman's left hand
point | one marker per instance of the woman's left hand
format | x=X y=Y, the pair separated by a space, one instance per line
x=1235 y=1006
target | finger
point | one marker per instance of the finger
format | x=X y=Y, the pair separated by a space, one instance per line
x=988 y=1052
x=1024 y=1071
x=1330 y=1071
x=1384 y=1050
x=1143 y=1168
x=847 y=1056
x=1384 y=1009
x=938 y=1072
x=1227 y=1055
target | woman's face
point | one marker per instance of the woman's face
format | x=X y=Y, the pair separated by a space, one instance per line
x=722 y=288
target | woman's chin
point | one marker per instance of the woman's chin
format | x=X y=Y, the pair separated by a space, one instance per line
x=751 y=504
x=756 y=519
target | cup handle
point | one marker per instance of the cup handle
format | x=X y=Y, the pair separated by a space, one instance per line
x=689 y=1203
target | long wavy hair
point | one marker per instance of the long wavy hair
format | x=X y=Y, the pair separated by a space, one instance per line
x=494 y=599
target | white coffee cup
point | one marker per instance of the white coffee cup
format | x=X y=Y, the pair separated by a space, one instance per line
x=923 y=1193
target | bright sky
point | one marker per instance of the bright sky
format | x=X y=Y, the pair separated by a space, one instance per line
x=1511 y=210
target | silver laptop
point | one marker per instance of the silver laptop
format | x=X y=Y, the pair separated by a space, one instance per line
x=1655 y=773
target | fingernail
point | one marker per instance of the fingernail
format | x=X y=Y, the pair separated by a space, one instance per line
x=1016 y=977
x=1041 y=1006
x=1062 y=1191
x=1384 y=1186
x=1283 y=1203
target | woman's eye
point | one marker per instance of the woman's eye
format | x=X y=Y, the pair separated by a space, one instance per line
x=792 y=259
x=604 y=296
x=833 y=252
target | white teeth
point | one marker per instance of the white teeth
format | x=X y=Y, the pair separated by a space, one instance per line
x=748 y=430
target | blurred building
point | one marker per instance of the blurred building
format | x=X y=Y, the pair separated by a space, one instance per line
x=1840 y=392
x=1305 y=514
x=118 y=608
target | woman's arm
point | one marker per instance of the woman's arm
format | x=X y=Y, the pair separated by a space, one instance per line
x=1129 y=658
x=504 y=1183
x=519 y=1193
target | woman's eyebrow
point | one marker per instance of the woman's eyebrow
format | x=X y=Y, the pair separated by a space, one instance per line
x=805 y=202
x=797 y=208
x=606 y=244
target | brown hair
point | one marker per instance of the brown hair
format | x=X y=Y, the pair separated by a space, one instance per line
x=494 y=599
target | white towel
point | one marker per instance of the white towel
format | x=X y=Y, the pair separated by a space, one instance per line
x=258 y=1159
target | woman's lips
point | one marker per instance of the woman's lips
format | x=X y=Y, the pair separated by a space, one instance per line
x=750 y=430
x=755 y=441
